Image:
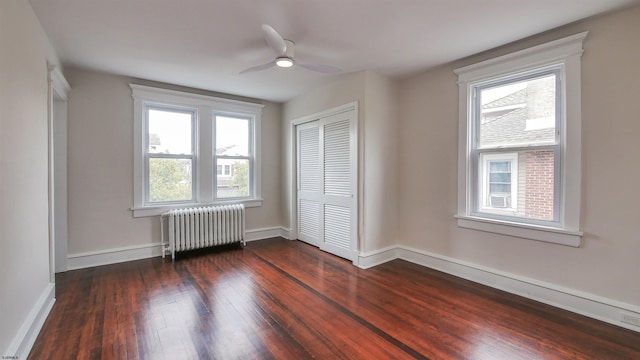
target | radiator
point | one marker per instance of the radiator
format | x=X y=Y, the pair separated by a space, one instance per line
x=196 y=228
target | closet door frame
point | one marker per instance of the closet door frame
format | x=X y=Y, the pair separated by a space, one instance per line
x=293 y=165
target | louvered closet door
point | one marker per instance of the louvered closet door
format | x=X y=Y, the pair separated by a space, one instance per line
x=338 y=218
x=309 y=182
x=327 y=184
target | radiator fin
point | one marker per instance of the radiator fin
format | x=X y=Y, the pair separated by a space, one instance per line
x=196 y=228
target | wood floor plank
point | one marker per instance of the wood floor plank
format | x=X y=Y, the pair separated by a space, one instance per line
x=280 y=299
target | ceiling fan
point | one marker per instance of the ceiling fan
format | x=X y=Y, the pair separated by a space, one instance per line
x=285 y=50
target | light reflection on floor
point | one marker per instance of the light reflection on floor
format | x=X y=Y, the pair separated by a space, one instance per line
x=491 y=345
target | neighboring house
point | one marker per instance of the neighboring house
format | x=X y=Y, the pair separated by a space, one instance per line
x=227 y=182
x=520 y=183
x=154 y=143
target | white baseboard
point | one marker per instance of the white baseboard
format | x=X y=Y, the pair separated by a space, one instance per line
x=372 y=258
x=593 y=306
x=113 y=256
x=137 y=252
x=266 y=233
x=22 y=343
x=285 y=233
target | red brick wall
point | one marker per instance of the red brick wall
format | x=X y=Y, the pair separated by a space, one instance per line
x=539 y=185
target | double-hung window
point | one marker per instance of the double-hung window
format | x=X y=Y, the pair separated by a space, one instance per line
x=515 y=147
x=519 y=143
x=233 y=156
x=193 y=150
x=169 y=159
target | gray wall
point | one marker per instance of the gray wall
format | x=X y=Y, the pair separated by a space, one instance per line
x=607 y=265
x=100 y=138
x=24 y=222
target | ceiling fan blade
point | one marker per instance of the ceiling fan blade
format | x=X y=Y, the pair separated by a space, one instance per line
x=327 y=69
x=274 y=40
x=258 y=67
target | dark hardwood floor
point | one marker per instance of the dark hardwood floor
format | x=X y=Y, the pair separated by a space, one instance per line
x=280 y=299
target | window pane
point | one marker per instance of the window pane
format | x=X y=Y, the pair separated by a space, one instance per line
x=169 y=132
x=522 y=187
x=496 y=166
x=499 y=189
x=232 y=136
x=235 y=182
x=504 y=177
x=518 y=113
x=169 y=179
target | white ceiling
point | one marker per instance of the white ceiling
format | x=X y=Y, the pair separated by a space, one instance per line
x=206 y=43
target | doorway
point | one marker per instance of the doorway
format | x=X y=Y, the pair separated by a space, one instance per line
x=58 y=92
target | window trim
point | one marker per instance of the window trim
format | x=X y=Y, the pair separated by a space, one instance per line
x=250 y=157
x=564 y=53
x=204 y=168
x=484 y=182
x=148 y=156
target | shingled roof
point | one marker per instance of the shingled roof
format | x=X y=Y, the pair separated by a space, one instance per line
x=512 y=126
x=518 y=97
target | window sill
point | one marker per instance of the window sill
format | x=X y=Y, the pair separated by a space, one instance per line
x=161 y=209
x=525 y=231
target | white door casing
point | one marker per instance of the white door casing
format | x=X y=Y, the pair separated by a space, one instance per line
x=327 y=183
x=58 y=90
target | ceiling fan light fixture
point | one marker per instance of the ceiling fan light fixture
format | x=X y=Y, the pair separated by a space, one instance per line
x=284 y=62
x=285 y=55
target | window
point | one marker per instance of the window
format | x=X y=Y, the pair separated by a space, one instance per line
x=517 y=119
x=498 y=188
x=519 y=143
x=193 y=150
x=233 y=149
x=169 y=158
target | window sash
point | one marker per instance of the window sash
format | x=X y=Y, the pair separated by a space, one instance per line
x=250 y=158
x=476 y=115
x=232 y=173
x=476 y=192
x=148 y=155
x=191 y=158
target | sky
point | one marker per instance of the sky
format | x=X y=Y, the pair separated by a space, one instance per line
x=174 y=130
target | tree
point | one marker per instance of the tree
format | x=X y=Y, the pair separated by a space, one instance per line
x=169 y=179
x=241 y=178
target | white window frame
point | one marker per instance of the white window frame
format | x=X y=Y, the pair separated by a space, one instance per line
x=204 y=167
x=229 y=167
x=563 y=54
x=483 y=186
x=148 y=155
